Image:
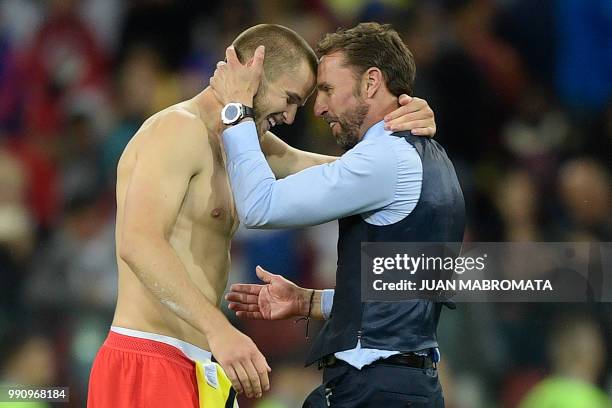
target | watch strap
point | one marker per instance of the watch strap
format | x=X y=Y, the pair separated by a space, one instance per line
x=247 y=112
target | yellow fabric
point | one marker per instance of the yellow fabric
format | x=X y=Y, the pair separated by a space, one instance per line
x=213 y=385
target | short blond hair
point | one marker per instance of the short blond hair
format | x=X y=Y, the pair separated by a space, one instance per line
x=285 y=49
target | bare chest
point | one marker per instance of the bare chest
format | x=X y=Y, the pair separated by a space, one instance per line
x=209 y=203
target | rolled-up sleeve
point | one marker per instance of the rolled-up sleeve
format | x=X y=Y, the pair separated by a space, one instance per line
x=362 y=180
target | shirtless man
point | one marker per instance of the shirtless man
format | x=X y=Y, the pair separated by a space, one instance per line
x=175 y=221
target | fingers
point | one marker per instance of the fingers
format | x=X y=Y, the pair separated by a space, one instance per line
x=241 y=307
x=404 y=99
x=246 y=288
x=413 y=105
x=217 y=74
x=243 y=378
x=238 y=297
x=231 y=56
x=263 y=274
x=428 y=131
x=258 y=58
x=262 y=368
x=250 y=315
x=254 y=379
x=233 y=377
x=401 y=124
x=410 y=117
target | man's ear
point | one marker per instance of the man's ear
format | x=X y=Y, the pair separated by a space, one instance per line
x=373 y=81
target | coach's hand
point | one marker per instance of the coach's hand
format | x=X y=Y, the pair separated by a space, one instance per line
x=237 y=82
x=277 y=299
x=241 y=360
x=414 y=114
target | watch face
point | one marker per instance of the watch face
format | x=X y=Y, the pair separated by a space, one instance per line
x=231 y=112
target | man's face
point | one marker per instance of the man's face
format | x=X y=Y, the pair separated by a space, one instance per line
x=339 y=100
x=277 y=100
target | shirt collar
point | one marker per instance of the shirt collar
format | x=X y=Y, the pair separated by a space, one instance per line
x=377 y=129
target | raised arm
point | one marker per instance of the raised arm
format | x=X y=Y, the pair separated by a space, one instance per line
x=164 y=164
x=413 y=114
x=362 y=180
x=285 y=160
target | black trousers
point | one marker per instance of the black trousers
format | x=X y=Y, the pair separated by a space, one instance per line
x=377 y=386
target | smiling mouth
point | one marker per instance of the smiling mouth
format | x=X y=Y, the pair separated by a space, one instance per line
x=332 y=124
x=273 y=122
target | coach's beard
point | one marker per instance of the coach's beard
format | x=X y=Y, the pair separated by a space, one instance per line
x=350 y=123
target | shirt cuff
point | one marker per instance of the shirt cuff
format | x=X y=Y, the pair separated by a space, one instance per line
x=327 y=301
x=240 y=138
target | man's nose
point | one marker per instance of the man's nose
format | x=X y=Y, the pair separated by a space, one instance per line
x=289 y=115
x=320 y=106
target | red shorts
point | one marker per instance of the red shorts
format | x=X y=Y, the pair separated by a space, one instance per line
x=134 y=372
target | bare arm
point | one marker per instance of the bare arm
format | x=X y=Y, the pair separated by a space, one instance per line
x=165 y=163
x=156 y=188
x=285 y=160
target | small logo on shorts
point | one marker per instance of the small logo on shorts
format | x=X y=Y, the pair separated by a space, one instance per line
x=210 y=372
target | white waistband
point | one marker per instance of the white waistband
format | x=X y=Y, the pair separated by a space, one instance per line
x=191 y=351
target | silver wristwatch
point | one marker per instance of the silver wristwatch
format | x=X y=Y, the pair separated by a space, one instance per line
x=234 y=112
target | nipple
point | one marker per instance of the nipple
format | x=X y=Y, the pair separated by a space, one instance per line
x=216 y=212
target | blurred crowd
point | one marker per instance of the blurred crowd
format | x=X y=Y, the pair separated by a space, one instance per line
x=522 y=93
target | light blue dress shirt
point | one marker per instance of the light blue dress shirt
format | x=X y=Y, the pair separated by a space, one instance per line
x=380 y=179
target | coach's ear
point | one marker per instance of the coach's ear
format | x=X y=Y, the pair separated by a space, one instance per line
x=373 y=79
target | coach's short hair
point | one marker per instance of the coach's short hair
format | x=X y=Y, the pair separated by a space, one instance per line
x=285 y=49
x=370 y=45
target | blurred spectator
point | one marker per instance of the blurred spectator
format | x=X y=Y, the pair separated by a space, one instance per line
x=78 y=265
x=517 y=200
x=461 y=82
x=531 y=31
x=11 y=87
x=586 y=193
x=164 y=26
x=498 y=62
x=138 y=77
x=21 y=19
x=537 y=133
x=43 y=195
x=78 y=158
x=15 y=222
x=16 y=232
x=104 y=16
x=577 y=356
x=27 y=360
x=65 y=59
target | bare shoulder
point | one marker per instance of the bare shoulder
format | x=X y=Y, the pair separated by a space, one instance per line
x=177 y=123
x=176 y=133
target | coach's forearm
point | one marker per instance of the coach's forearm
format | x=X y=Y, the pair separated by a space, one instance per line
x=159 y=268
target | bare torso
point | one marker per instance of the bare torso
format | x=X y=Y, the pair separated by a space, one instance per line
x=200 y=237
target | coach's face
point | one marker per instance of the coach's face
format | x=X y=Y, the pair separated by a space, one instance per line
x=277 y=100
x=339 y=100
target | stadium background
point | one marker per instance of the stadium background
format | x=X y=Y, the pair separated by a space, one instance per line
x=522 y=96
